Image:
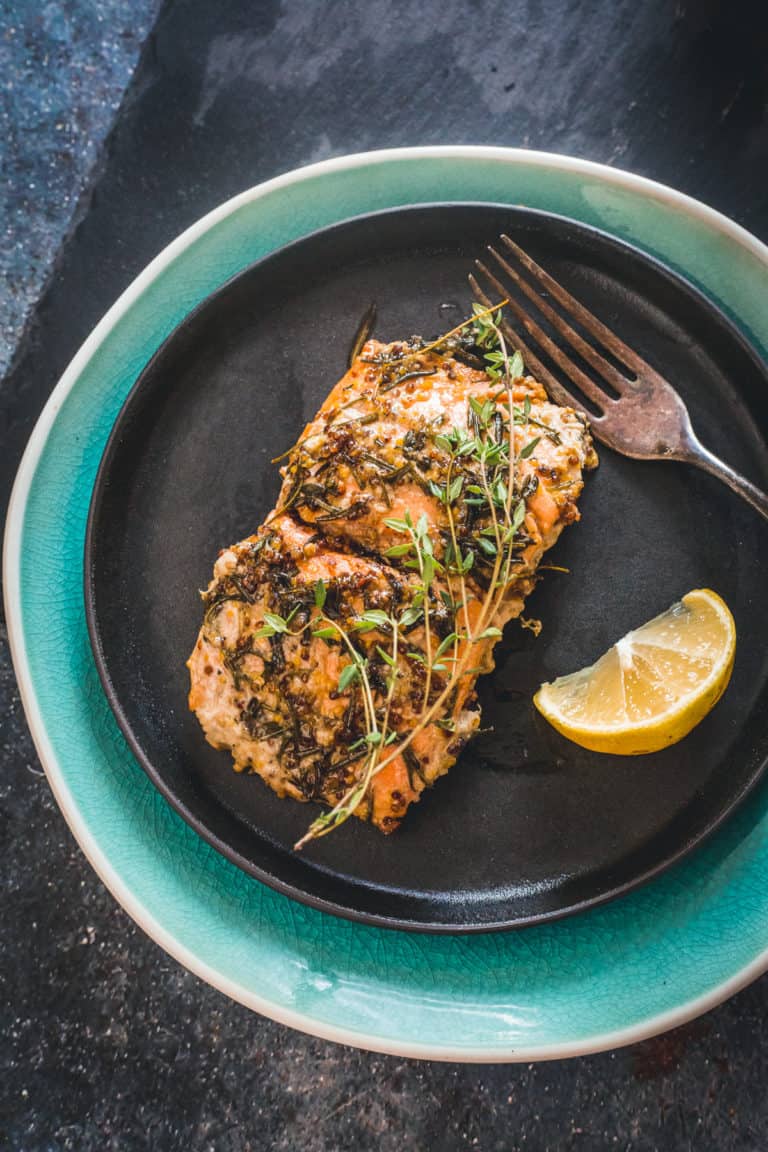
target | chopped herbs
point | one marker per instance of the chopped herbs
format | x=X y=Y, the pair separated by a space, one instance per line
x=401 y=379
x=400 y=658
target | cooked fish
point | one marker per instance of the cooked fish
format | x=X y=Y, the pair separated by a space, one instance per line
x=383 y=482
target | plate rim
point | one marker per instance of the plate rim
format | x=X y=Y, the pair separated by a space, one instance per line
x=613 y=1038
x=197 y=823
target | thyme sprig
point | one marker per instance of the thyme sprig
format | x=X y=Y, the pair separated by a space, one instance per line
x=421 y=556
x=486 y=452
x=378 y=736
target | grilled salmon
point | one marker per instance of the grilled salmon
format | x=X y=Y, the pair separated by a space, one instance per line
x=341 y=643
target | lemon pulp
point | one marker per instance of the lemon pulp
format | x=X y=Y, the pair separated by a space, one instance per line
x=653 y=686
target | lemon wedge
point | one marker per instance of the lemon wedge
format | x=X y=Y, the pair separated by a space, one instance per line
x=653 y=686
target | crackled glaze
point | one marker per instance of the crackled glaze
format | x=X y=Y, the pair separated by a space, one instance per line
x=608 y=977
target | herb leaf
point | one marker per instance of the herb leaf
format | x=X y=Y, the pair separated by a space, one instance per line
x=446 y=644
x=349 y=674
x=524 y=453
x=517 y=369
x=410 y=616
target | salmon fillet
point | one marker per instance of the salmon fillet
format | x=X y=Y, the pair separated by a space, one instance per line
x=336 y=558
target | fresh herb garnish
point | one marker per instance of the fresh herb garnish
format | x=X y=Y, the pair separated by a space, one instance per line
x=481 y=474
x=426 y=635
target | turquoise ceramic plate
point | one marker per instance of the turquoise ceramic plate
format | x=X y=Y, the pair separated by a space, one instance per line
x=642 y=964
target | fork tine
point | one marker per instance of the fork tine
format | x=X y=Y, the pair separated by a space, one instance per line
x=612 y=375
x=587 y=386
x=614 y=345
x=553 y=386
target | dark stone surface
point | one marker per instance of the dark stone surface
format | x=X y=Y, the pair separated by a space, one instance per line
x=64 y=69
x=108 y=1044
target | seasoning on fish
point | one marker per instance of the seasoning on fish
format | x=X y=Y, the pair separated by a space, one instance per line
x=342 y=642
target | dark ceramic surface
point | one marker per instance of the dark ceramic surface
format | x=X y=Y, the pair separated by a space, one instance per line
x=108 y=1044
x=527 y=826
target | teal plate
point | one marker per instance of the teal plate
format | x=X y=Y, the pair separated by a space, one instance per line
x=607 y=977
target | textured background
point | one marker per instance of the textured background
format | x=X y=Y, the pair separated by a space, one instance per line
x=65 y=68
x=107 y=1043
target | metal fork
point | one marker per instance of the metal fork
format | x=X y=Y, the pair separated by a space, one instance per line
x=647 y=419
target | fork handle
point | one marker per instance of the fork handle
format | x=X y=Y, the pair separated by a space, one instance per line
x=700 y=456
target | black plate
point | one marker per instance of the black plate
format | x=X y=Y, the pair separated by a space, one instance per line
x=527 y=826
